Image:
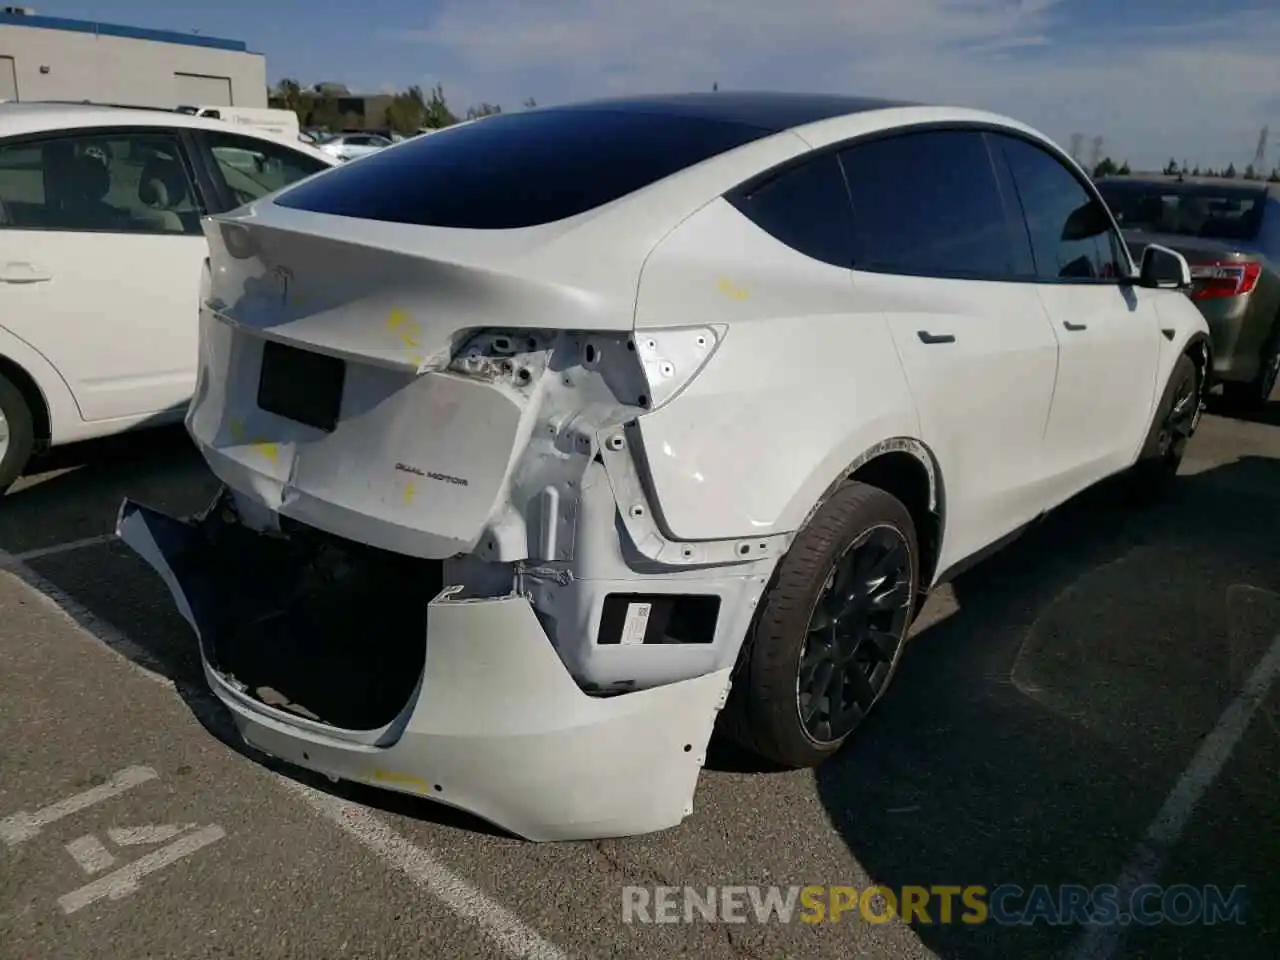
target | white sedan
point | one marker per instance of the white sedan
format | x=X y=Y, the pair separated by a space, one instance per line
x=545 y=438
x=101 y=255
x=351 y=146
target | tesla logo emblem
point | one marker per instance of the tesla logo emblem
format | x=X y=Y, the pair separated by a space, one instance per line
x=283 y=278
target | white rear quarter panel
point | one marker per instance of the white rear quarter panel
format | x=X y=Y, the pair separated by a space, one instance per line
x=803 y=382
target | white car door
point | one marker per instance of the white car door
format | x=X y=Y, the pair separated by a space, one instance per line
x=940 y=256
x=1107 y=327
x=100 y=262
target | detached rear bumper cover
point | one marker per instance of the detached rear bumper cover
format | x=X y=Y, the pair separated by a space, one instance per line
x=496 y=727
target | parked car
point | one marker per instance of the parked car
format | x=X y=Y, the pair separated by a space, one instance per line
x=350 y=146
x=274 y=120
x=1229 y=230
x=101 y=256
x=517 y=481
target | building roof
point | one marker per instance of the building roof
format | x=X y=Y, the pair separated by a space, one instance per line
x=117 y=30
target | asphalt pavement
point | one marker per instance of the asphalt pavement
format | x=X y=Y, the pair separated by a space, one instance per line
x=1091 y=706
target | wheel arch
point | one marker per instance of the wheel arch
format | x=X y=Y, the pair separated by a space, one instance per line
x=1200 y=349
x=905 y=468
x=26 y=384
x=56 y=402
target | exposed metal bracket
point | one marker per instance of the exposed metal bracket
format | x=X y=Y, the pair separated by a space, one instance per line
x=637 y=516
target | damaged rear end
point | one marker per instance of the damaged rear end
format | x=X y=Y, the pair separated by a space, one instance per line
x=412 y=429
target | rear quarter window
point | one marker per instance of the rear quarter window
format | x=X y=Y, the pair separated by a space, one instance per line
x=518 y=170
x=807 y=208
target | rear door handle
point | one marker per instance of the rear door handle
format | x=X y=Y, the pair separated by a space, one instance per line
x=927 y=337
x=17 y=271
x=1074 y=326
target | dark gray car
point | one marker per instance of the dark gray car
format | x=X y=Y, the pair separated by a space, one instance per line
x=1229 y=231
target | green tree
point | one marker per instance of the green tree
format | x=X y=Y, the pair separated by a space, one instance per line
x=1250 y=173
x=482 y=110
x=1124 y=170
x=1275 y=175
x=287 y=95
x=438 y=114
x=1171 y=168
x=1105 y=168
x=1230 y=172
x=530 y=103
x=407 y=112
x=1196 y=171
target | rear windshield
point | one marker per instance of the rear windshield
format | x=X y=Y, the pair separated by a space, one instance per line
x=1187 y=210
x=518 y=170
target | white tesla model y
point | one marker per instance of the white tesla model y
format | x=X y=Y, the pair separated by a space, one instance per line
x=546 y=438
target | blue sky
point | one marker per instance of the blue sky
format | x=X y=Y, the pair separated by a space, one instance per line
x=1154 y=78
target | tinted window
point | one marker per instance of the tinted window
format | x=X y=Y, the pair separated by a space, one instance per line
x=518 y=170
x=122 y=183
x=1217 y=212
x=807 y=208
x=1071 y=235
x=929 y=203
x=252 y=168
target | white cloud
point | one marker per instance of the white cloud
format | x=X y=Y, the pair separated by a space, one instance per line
x=1193 y=90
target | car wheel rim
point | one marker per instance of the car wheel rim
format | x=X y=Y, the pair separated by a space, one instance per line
x=854 y=634
x=1180 y=421
x=4 y=436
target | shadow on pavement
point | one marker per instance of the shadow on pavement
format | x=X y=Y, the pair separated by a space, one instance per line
x=1031 y=737
x=75 y=491
x=1268 y=414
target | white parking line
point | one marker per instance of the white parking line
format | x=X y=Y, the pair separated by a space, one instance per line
x=67 y=547
x=1102 y=943
x=515 y=938
x=22 y=826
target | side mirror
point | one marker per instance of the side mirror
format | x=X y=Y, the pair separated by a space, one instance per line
x=1164 y=269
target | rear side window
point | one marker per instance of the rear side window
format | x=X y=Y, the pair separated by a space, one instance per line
x=1215 y=212
x=929 y=204
x=807 y=208
x=518 y=170
x=252 y=168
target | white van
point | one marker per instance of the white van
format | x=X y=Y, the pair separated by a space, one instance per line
x=281 y=122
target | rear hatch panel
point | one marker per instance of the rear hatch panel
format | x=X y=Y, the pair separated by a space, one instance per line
x=335 y=388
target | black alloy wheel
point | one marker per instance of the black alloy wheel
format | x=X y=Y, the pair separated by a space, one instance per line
x=829 y=630
x=854 y=634
x=1180 y=419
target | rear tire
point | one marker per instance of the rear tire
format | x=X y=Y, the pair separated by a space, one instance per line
x=17 y=434
x=830 y=630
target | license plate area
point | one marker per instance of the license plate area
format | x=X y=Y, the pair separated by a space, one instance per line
x=301 y=386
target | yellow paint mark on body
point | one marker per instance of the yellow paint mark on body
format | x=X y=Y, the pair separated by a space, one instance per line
x=409 y=491
x=388 y=776
x=729 y=289
x=265 y=447
x=398 y=322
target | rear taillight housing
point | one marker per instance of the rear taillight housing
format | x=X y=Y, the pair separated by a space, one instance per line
x=1223 y=278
